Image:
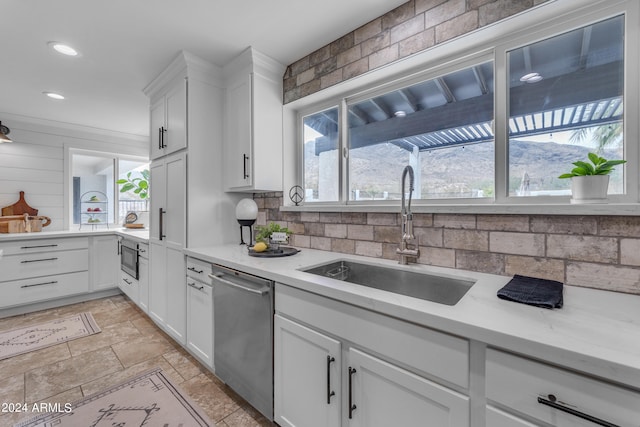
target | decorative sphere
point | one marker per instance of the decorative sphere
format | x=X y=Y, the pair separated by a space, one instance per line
x=246 y=209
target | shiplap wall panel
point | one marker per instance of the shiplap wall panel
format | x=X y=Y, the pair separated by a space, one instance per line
x=34 y=163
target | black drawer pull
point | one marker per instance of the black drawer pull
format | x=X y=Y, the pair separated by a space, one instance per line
x=193 y=285
x=329 y=391
x=195 y=270
x=352 y=406
x=39 y=246
x=552 y=403
x=37 y=260
x=53 y=282
x=126 y=281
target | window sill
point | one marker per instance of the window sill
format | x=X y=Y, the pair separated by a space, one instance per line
x=619 y=209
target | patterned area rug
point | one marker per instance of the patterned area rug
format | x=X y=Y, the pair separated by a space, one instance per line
x=30 y=338
x=148 y=399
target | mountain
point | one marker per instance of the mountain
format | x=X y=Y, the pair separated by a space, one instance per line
x=457 y=171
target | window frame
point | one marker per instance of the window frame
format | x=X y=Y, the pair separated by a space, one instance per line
x=114 y=203
x=491 y=43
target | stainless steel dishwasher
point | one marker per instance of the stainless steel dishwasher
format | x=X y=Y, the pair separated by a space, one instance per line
x=243 y=335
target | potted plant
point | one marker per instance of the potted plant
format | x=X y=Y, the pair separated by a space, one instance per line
x=263 y=234
x=590 y=181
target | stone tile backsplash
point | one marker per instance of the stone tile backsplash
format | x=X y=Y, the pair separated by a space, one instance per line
x=590 y=251
x=410 y=28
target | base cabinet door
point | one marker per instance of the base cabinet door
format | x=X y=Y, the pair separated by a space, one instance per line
x=307 y=376
x=104 y=262
x=200 y=320
x=158 y=283
x=382 y=394
x=176 y=316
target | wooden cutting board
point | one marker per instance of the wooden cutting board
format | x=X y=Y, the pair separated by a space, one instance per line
x=20 y=207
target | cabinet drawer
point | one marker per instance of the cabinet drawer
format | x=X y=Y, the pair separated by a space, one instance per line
x=198 y=269
x=43 y=288
x=143 y=250
x=43 y=245
x=517 y=384
x=129 y=286
x=15 y=267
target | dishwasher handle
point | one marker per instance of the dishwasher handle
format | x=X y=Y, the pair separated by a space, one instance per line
x=261 y=291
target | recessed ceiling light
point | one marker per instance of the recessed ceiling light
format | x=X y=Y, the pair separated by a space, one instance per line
x=531 y=78
x=63 y=48
x=53 y=95
x=400 y=113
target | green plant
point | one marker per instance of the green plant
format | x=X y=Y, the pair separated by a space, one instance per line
x=140 y=186
x=264 y=232
x=598 y=166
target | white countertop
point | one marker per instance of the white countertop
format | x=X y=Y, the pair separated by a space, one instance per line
x=597 y=332
x=141 y=235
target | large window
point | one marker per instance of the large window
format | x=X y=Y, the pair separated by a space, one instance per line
x=96 y=196
x=498 y=125
x=565 y=100
x=440 y=126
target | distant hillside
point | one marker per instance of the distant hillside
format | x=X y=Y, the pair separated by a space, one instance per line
x=378 y=169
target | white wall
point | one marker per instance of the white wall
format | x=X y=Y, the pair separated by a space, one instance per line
x=35 y=161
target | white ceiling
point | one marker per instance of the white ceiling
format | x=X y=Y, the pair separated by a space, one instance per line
x=124 y=44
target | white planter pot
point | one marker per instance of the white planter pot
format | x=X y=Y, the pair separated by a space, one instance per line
x=589 y=189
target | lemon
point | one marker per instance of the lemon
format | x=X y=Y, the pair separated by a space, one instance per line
x=260 y=247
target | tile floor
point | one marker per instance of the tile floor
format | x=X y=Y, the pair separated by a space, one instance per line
x=129 y=343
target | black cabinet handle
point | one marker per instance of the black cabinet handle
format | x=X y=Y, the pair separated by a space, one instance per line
x=38 y=246
x=244 y=165
x=159 y=138
x=329 y=391
x=53 y=282
x=352 y=406
x=195 y=270
x=193 y=285
x=161 y=213
x=38 y=260
x=119 y=247
x=126 y=281
x=552 y=403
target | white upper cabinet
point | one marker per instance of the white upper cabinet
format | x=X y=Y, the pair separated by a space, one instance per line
x=253 y=123
x=169 y=121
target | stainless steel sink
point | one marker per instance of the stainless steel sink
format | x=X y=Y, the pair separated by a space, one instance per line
x=431 y=287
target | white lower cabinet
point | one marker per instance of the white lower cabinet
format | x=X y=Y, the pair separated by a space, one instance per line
x=104 y=262
x=41 y=270
x=200 y=320
x=341 y=369
x=527 y=390
x=307 y=376
x=382 y=394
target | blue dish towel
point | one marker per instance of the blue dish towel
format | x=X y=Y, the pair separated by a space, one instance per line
x=533 y=291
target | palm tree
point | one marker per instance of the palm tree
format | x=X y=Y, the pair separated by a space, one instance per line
x=604 y=135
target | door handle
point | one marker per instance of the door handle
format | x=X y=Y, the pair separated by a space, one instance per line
x=38 y=260
x=53 y=282
x=552 y=403
x=161 y=213
x=329 y=391
x=244 y=165
x=262 y=291
x=352 y=406
x=162 y=131
x=160 y=138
